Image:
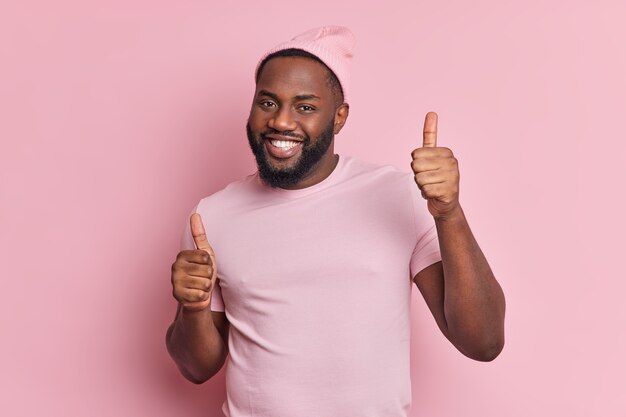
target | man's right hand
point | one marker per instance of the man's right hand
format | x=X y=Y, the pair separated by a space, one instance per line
x=194 y=272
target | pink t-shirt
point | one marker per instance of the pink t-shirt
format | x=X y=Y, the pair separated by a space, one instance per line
x=316 y=284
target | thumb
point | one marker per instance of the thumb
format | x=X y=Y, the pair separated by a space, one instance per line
x=198 y=233
x=430 y=130
x=199 y=238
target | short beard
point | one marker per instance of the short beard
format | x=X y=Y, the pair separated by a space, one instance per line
x=310 y=155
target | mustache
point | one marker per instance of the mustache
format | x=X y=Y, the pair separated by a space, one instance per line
x=283 y=133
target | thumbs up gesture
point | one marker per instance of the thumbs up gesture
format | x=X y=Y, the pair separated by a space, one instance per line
x=194 y=272
x=436 y=172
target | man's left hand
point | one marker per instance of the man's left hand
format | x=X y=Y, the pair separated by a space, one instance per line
x=436 y=172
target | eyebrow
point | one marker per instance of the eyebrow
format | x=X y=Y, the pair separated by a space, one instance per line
x=298 y=97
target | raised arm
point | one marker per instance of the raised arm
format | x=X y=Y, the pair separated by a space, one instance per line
x=197 y=340
x=461 y=290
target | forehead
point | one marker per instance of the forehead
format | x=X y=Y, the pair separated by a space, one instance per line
x=291 y=76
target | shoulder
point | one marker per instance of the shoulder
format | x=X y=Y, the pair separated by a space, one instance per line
x=230 y=195
x=386 y=174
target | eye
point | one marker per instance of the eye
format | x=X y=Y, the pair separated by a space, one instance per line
x=306 y=108
x=267 y=104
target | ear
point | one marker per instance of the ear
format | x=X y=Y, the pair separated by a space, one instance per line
x=341 y=115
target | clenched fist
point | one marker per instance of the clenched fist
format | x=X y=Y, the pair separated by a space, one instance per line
x=436 y=172
x=194 y=272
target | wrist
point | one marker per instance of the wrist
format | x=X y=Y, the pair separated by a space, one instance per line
x=454 y=215
x=193 y=311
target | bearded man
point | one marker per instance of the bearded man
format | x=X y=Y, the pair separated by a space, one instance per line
x=305 y=286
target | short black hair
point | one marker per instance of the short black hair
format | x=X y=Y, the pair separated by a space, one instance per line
x=332 y=79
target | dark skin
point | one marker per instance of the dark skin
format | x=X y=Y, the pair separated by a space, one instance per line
x=292 y=94
x=461 y=291
x=197 y=340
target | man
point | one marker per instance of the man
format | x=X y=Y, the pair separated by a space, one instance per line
x=306 y=283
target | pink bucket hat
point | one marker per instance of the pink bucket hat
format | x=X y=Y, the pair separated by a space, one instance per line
x=333 y=45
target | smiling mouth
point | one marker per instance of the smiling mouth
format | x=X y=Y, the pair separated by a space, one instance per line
x=282 y=149
x=283 y=144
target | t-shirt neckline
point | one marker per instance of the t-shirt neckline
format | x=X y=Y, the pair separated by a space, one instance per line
x=329 y=180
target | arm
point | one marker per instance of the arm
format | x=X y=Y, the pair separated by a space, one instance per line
x=197 y=340
x=198 y=343
x=462 y=292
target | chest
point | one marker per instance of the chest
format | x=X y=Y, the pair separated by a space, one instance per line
x=299 y=252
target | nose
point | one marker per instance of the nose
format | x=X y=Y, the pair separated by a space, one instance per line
x=282 y=120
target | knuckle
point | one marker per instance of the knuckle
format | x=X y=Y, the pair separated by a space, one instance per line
x=178 y=264
x=202 y=271
x=419 y=164
x=177 y=287
x=417 y=151
x=175 y=276
x=205 y=257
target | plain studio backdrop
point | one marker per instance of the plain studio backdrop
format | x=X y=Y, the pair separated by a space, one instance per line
x=117 y=117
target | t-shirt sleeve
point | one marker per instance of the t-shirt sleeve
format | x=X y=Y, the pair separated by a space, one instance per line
x=187 y=243
x=426 y=251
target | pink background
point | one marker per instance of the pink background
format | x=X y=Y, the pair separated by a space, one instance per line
x=117 y=117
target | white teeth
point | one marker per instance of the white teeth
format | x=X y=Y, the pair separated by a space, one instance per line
x=285 y=144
